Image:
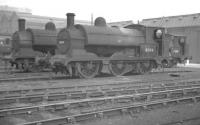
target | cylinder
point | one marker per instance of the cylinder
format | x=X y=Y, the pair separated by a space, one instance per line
x=70 y=20
x=21 y=24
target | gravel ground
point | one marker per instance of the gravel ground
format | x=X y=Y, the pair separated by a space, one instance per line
x=155 y=117
x=158 y=116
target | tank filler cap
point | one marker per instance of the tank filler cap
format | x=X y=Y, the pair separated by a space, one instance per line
x=50 y=26
x=100 y=21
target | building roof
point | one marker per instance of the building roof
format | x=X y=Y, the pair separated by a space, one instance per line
x=15 y=9
x=121 y=23
x=190 y=20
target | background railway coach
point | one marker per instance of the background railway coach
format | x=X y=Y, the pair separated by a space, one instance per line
x=84 y=50
x=5 y=46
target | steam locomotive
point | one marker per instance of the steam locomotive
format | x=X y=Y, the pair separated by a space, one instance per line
x=32 y=48
x=84 y=50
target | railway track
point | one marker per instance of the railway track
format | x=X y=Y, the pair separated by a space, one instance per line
x=115 y=103
x=48 y=75
x=149 y=103
x=131 y=109
x=82 y=92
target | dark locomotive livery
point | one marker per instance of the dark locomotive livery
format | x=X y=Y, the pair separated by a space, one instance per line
x=85 y=50
x=32 y=48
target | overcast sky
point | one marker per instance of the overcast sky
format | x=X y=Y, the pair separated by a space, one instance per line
x=112 y=10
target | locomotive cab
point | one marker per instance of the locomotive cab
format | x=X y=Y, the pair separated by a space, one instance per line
x=148 y=50
x=153 y=35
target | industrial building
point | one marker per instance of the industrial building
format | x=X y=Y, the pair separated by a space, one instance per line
x=9 y=20
x=188 y=25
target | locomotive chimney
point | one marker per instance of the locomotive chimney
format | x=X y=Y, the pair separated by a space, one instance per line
x=70 y=20
x=21 y=24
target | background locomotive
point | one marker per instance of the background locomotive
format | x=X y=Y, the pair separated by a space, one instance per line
x=31 y=48
x=84 y=50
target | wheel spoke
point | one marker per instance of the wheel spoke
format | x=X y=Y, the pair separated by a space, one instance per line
x=146 y=66
x=143 y=67
x=88 y=69
x=117 y=68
